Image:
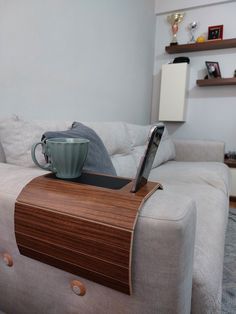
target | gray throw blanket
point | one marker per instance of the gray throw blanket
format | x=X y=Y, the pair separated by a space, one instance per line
x=97 y=159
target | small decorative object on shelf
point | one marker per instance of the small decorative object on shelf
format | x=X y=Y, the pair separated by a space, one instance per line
x=213 y=69
x=181 y=60
x=215 y=32
x=174 y=20
x=201 y=39
x=192 y=28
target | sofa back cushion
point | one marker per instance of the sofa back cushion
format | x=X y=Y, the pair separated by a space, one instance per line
x=124 y=142
x=17 y=137
x=139 y=136
x=117 y=141
x=166 y=150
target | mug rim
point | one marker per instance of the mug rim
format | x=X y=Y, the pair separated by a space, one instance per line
x=68 y=140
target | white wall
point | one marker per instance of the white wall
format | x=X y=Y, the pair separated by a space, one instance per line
x=170 y=5
x=77 y=59
x=211 y=111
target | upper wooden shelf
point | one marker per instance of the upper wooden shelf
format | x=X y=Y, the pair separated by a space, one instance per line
x=208 y=45
x=217 y=81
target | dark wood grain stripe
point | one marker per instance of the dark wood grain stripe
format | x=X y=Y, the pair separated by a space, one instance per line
x=71 y=227
x=83 y=261
x=74 y=269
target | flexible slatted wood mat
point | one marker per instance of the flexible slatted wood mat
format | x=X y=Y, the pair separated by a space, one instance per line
x=83 y=229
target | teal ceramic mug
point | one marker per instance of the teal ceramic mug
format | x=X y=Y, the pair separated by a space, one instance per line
x=66 y=156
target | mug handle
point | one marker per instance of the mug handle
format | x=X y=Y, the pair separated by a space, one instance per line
x=33 y=148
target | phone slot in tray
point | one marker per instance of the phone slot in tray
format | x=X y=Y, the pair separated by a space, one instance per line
x=108 y=182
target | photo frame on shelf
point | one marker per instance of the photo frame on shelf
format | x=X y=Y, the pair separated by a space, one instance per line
x=213 y=69
x=215 y=32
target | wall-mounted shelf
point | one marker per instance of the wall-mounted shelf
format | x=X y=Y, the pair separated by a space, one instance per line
x=217 y=82
x=230 y=162
x=208 y=45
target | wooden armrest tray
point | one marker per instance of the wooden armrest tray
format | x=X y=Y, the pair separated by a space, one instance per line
x=81 y=228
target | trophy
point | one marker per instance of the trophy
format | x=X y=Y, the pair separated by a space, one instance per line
x=192 y=28
x=174 y=20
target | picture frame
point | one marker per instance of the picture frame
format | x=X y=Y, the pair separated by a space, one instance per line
x=213 y=69
x=215 y=32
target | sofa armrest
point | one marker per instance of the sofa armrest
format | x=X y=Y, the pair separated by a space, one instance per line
x=199 y=150
x=162 y=262
x=163 y=253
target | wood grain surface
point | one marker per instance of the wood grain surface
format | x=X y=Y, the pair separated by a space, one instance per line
x=207 y=45
x=83 y=229
x=217 y=82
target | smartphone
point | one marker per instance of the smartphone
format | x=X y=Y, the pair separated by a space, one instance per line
x=146 y=162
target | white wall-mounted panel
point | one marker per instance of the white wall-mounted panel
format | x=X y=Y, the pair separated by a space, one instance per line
x=173 y=92
x=170 y=5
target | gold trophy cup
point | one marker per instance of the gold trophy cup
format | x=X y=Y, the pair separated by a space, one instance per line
x=174 y=20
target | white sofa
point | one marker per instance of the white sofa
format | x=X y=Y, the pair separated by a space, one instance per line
x=179 y=237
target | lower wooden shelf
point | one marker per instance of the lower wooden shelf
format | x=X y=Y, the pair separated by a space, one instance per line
x=231 y=163
x=217 y=82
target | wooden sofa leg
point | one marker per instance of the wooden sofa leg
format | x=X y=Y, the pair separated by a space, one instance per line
x=8 y=260
x=78 y=287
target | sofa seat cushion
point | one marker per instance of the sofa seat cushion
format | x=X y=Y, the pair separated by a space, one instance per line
x=207 y=184
x=211 y=204
x=207 y=173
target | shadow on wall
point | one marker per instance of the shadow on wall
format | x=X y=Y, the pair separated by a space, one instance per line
x=172 y=127
x=155 y=97
x=212 y=91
